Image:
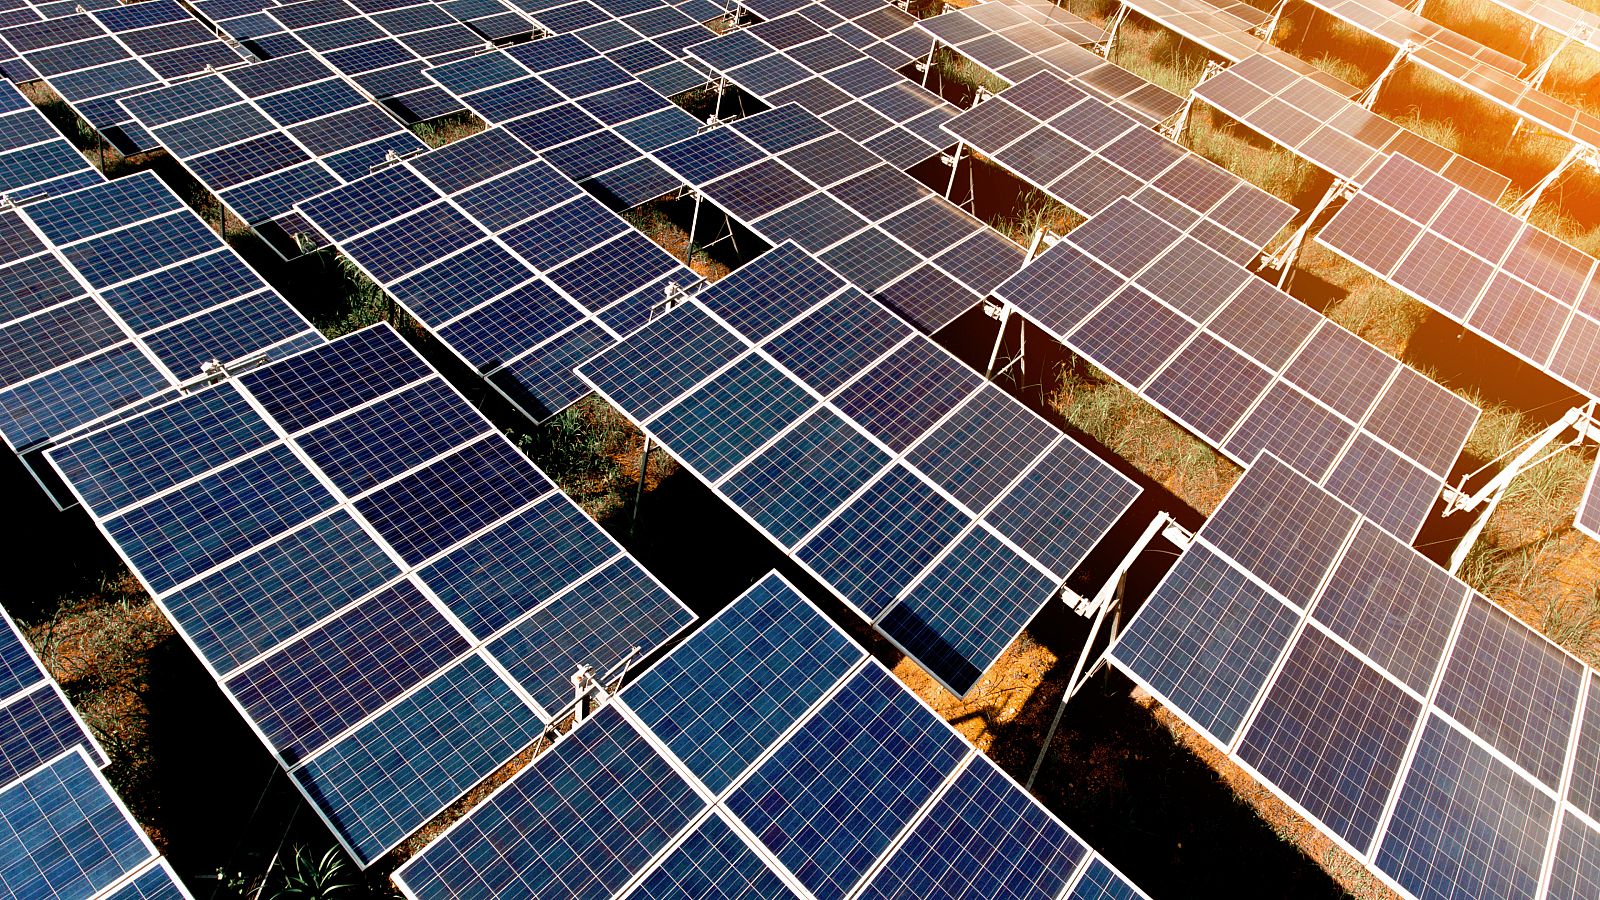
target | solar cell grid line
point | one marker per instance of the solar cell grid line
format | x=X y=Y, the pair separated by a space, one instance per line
x=1343 y=138
x=1076 y=149
x=891 y=236
x=871 y=462
x=35 y=160
x=117 y=295
x=1486 y=73
x=891 y=799
x=406 y=621
x=1017 y=52
x=1367 y=722
x=513 y=267
x=65 y=833
x=1511 y=283
x=100 y=55
x=1245 y=366
x=268 y=135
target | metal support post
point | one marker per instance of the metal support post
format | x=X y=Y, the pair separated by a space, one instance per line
x=694 y=224
x=1282 y=260
x=1370 y=95
x=1579 y=153
x=638 y=492
x=716 y=110
x=955 y=166
x=1004 y=315
x=1267 y=29
x=1174 y=127
x=1535 y=79
x=1108 y=42
x=927 y=69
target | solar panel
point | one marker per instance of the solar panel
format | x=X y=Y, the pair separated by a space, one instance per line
x=1560 y=17
x=266 y=136
x=1588 y=519
x=1492 y=75
x=1427 y=731
x=869 y=454
x=37 y=723
x=1087 y=155
x=788 y=176
x=96 y=57
x=1513 y=284
x=1245 y=366
x=517 y=271
x=116 y=294
x=393 y=595
x=644 y=37
x=1013 y=51
x=35 y=161
x=765 y=756
x=1340 y=136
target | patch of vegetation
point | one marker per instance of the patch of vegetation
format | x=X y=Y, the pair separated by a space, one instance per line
x=448 y=129
x=1035 y=210
x=1136 y=431
x=345 y=299
x=592 y=453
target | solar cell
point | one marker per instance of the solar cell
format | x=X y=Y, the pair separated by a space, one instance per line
x=339 y=553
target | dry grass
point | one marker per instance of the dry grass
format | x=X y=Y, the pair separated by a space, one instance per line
x=447 y=129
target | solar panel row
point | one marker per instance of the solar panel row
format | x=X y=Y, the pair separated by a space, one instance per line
x=1014 y=51
x=1087 y=155
x=792 y=59
x=581 y=112
x=94 y=58
x=1338 y=135
x=264 y=137
x=939 y=508
x=37 y=723
x=1558 y=16
x=390 y=592
x=645 y=37
x=516 y=270
x=764 y=757
x=1245 y=366
x=245 y=21
x=116 y=294
x=1508 y=281
x=882 y=31
x=35 y=160
x=788 y=176
x=1429 y=732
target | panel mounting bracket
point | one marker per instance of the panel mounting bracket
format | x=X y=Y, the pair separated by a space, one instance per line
x=1282 y=259
x=1580 y=154
x=1370 y=95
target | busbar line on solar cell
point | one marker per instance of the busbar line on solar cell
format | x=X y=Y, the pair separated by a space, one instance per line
x=266 y=136
x=506 y=260
x=1425 y=730
x=1245 y=366
x=65 y=833
x=867 y=792
x=94 y=58
x=1515 y=285
x=1087 y=155
x=866 y=453
x=1015 y=51
x=390 y=593
x=1466 y=63
x=35 y=160
x=1335 y=134
x=118 y=294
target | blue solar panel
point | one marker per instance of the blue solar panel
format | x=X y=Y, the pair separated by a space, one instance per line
x=903 y=395
x=576 y=822
x=1206 y=640
x=18 y=671
x=969 y=606
x=774 y=289
x=749 y=674
x=833 y=797
x=981 y=838
x=980 y=450
x=318 y=385
x=155 y=883
x=712 y=863
x=1067 y=477
x=35 y=728
x=838 y=340
x=353 y=664
x=1100 y=882
x=718 y=426
x=597 y=622
x=65 y=834
x=396 y=772
x=1576 y=873
x=662 y=360
x=794 y=484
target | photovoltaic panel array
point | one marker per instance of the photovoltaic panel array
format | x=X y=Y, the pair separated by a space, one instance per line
x=388 y=590
x=582 y=113
x=1016 y=51
x=65 y=835
x=1245 y=366
x=1485 y=72
x=940 y=509
x=383 y=46
x=1560 y=17
x=1484 y=267
x=94 y=58
x=245 y=22
x=116 y=294
x=1442 y=742
x=37 y=723
x=881 y=30
x=266 y=136
x=646 y=38
x=1087 y=155
x=35 y=160
x=764 y=757
x=510 y=264
x=794 y=60
x=787 y=176
x=1340 y=136
x=1227 y=28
